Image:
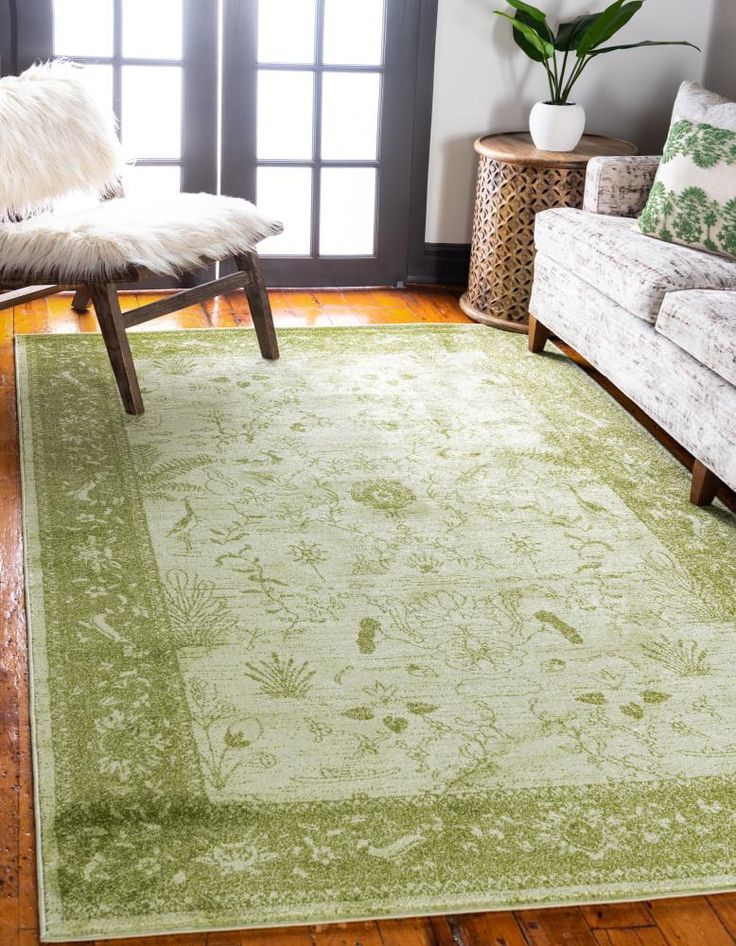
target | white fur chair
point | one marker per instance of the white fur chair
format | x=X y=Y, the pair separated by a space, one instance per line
x=55 y=140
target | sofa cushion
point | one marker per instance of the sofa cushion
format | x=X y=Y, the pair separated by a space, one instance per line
x=702 y=323
x=693 y=200
x=611 y=254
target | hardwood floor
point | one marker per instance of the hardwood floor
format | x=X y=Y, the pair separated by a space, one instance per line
x=693 y=921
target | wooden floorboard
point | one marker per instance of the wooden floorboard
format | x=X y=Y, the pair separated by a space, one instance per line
x=692 y=921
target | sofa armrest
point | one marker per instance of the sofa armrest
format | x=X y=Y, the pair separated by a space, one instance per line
x=619 y=186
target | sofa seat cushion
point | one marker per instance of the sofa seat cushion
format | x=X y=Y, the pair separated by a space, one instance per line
x=610 y=254
x=702 y=323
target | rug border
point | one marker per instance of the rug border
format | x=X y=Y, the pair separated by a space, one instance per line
x=29 y=512
x=445 y=909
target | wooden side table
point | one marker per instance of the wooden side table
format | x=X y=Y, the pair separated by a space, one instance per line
x=515 y=182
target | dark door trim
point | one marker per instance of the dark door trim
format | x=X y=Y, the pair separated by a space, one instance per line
x=35 y=40
x=426 y=41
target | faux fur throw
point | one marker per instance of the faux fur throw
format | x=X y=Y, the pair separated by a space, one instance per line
x=166 y=236
x=54 y=139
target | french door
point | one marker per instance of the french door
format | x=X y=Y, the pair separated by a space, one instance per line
x=318 y=99
x=302 y=106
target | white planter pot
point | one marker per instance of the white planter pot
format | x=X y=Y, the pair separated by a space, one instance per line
x=557 y=127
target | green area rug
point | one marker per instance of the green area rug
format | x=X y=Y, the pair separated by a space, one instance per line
x=409 y=621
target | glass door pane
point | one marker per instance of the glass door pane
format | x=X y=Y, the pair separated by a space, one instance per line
x=83 y=28
x=152 y=29
x=151 y=112
x=353 y=32
x=286 y=194
x=285 y=116
x=286 y=31
x=347 y=211
x=350 y=112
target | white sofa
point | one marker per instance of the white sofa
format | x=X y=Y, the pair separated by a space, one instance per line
x=657 y=319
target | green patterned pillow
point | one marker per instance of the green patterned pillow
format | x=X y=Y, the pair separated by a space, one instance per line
x=693 y=200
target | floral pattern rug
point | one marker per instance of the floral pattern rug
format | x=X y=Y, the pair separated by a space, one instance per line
x=409 y=621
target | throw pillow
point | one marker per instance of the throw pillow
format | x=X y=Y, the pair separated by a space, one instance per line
x=693 y=200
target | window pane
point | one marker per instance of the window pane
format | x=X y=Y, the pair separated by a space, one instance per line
x=151 y=121
x=354 y=32
x=350 y=115
x=152 y=29
x=99 y=81
x=286 y=31
x=83 y=28
x=151 y=181
x=285 y=101
x=286 y=194
x=348 y=211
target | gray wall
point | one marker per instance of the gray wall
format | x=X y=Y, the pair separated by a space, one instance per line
x=720 y=69
x=483 y=83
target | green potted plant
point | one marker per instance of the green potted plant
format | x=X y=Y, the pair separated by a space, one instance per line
x=558 y=124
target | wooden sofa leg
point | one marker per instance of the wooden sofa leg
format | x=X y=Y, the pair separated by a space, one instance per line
x=107 y=309
x=538 y=337
x=705 y=484
x=260 y=306
x=82 y=299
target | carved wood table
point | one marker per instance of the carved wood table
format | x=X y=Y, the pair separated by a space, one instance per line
x=515 y=182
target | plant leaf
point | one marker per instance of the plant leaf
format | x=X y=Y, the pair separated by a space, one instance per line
x=646 y=42
x=540 y=28
x=569 y=33
x=527 y=8
x=608 y=23
x=528 y=38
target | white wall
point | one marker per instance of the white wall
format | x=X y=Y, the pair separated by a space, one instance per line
x=484 y=83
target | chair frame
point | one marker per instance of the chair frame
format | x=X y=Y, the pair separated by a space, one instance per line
x=113 y=322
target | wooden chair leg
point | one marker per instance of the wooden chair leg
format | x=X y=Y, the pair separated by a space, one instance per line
x=260 y=306
x=704 y=486
x=82 y=299
x=107 y=309
x=538 y=337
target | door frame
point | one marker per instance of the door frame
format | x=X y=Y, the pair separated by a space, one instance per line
x=400 y=154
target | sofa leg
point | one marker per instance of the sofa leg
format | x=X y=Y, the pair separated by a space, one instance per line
x=538 y=337
x=705 y=484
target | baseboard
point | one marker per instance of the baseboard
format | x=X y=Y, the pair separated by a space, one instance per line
x=441 y=263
